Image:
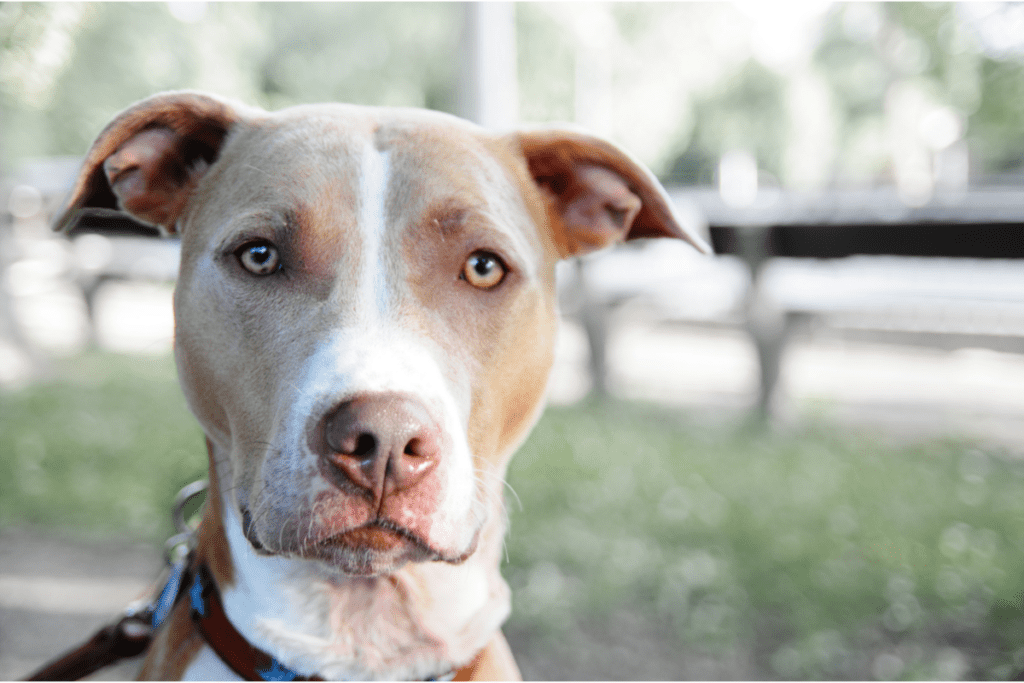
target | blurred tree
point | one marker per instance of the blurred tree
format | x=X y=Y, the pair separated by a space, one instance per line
x=368 y=53
x=887 y=67
x=994 y=129
x=66 y=69
x=939 y=49
x=688 y=83
x=87 y=62
x=746 y=112
x=546 y=63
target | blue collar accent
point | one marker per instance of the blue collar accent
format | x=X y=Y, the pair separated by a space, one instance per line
x=169 y=594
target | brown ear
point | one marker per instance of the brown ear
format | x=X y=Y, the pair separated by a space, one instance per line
x=148 y=160
x=599 y=194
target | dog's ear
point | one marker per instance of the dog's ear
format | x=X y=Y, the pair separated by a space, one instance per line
x=598 y=194
x=147 y=161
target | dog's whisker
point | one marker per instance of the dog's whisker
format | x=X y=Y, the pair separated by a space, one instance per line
x=495 y=495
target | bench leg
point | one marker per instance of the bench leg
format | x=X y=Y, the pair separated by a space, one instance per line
x=765 y=321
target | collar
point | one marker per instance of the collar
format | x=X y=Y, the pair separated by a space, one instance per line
x=249 y=662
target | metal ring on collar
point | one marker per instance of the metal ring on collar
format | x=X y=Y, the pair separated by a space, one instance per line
x=186 y=494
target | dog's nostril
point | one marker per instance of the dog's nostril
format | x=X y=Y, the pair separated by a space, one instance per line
x=424 y=446
x=366 y=444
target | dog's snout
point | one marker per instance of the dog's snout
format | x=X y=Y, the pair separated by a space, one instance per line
x=382 y=443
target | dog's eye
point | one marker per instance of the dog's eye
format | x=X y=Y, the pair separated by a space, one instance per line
x=483 y=270
x=259 y=258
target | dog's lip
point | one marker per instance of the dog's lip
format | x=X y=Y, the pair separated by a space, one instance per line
x=373 y=537
x=384 y=538
x=376 y=537
x=372 y=549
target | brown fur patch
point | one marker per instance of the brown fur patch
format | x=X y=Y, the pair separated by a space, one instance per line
x=212 y=545
x=176 y=644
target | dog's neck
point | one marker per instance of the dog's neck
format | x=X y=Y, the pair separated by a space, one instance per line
x=420 y=622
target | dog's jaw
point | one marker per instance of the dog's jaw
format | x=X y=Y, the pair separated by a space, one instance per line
x=418 y=622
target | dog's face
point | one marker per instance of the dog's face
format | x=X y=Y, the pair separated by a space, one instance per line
x=386 y=266
x=365 y=312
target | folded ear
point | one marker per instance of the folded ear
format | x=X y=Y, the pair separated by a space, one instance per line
x=598 y=194
x=147 y=161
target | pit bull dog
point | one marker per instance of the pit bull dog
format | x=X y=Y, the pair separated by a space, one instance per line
x=365 y=323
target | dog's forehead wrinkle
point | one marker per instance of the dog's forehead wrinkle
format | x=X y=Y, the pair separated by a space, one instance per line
x=296 y=151
x=277 y=224
x=477 y=202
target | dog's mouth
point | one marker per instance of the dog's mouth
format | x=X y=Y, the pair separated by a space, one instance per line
x=374 y=538
x=375 y=548
x=371 y=550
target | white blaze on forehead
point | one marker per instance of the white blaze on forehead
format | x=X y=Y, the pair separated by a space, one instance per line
x=374 y=174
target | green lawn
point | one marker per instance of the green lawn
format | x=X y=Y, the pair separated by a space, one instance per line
x=812 y=554
x=816 y=554
x=102 y=447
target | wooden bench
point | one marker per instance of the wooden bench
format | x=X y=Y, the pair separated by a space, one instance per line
x=857 y=263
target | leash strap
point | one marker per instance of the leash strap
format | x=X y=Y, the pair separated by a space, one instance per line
x=123 y=639
x=127 y=637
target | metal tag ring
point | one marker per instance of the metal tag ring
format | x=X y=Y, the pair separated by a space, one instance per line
x=186 y=494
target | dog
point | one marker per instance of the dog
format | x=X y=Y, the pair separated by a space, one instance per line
x=365 y=321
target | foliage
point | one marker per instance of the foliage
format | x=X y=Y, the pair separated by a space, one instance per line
x=393 y=54
x=545 y=63
x=939 y=48
x=865 y=50
x=725 y=122
x=687 y=86
x=271 y=54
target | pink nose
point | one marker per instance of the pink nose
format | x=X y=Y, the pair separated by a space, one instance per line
x=382 y=443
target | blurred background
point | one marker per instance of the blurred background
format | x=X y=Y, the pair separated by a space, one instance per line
x=801 y=458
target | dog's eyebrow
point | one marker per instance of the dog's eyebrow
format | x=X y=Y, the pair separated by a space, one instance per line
x=279 y=226
x=459 y=214
x=449 y=217
x=288 y=223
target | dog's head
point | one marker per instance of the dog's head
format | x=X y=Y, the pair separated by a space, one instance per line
x=365 y=311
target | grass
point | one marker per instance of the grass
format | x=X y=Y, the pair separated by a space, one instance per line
x=816 y=553
x=104 y=446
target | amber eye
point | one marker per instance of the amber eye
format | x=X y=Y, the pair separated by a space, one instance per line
x=259 y=258
x=483 y=270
